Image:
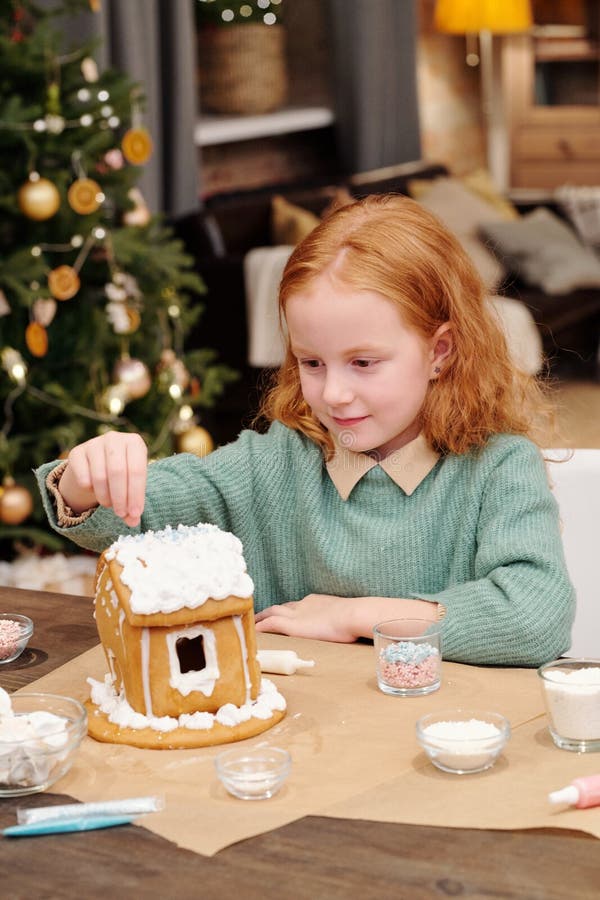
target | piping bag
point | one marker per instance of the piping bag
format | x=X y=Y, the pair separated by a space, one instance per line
x=282 y=662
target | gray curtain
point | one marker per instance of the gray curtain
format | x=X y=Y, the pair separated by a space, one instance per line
x=374 y=73
x=153 y=41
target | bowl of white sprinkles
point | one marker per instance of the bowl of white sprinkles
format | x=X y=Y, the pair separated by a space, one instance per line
x=463 y=741
x=571 y=689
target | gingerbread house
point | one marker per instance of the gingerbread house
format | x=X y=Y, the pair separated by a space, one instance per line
x=174 y=612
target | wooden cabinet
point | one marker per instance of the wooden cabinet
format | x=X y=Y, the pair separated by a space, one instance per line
x=551 y=95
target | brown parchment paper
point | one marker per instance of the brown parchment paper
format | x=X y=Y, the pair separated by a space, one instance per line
x=354 y=755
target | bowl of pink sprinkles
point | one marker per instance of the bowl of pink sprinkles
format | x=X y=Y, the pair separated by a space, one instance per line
x=407 y=666
x=15 y=632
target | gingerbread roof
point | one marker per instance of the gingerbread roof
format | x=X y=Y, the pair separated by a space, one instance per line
x=179 y=576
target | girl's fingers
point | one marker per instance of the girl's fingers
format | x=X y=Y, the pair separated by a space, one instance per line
x=115 y=461
x=115 y=466
x=137 y=467
x=80 y=468
x=278 y=624
x=99 y=477
x=284 y=609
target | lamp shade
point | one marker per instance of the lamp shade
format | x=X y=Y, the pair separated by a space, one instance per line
x=469 y=16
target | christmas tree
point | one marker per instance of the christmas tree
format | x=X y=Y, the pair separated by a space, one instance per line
x=96 y=298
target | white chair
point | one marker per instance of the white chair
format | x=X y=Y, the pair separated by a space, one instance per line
x=576 y=485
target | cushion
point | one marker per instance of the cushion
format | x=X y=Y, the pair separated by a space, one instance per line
x=523 y=337
x=545 y=252
x=290 y=224
x=341 y=197
x=582 y=206
x=462 y=212
x=479 y=182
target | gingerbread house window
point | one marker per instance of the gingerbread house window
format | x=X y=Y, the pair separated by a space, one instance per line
x=190 y=653
x=189 y=670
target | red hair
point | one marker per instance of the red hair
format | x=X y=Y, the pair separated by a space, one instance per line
x=392 y=245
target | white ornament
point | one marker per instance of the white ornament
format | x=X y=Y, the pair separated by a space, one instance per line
x=116 y=314
x=89 y=69
x=44 y=310
x=55 y=124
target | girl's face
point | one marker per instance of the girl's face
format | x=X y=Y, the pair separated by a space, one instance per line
x=363 y=372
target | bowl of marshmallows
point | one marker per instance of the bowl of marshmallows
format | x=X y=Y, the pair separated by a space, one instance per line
x=39 y=738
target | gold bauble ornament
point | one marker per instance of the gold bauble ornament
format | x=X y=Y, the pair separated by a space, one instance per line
x=195 y=440
x=85 y=196
x=63 y=282
x=16 y=503
x=38 y=198
x=134 y=376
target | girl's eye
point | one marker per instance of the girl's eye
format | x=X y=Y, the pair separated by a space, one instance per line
x=364 y=363
x=310 y=363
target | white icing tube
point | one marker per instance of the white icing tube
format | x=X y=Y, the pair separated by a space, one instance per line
x=131 y=806
x=282 y=662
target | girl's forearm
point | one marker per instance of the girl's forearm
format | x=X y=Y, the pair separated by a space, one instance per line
x=369 y=611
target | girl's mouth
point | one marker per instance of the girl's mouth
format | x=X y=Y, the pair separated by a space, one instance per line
x=347 y=423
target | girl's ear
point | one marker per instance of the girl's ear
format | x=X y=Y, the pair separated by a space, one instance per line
x=442 y=344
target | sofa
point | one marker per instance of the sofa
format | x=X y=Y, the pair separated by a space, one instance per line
x=230 y=226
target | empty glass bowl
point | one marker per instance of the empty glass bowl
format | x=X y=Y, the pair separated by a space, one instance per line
x=38 y=741
x=463 y=741
x=15 y=631
x=253 y=773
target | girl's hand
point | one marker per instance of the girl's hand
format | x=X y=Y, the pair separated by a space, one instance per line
x=319 y=616
x=110 y=471
x=341 y=619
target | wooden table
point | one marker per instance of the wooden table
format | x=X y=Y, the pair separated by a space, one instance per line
x=315 y=858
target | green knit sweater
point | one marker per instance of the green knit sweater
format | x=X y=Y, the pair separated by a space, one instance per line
x=480 y=534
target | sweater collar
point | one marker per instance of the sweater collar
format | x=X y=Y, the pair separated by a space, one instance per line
x=406 y=467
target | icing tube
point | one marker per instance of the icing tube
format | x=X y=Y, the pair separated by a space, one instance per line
x=582 y=792
x=282 y=662
x=133 y=806
x=58 y=826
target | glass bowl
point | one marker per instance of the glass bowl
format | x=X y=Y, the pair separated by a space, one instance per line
x=571 y=689
x=463 y=741
x=13 y=640
x=31 y=763
x=408 y=656
x=253 y=773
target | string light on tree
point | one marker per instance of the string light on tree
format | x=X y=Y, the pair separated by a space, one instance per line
x=173 y=376
x=114 y=399
x=14 y=364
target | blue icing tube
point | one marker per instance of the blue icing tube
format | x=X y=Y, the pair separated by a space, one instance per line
x=82 y=823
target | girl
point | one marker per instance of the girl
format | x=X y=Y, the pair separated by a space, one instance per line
x=397 y=477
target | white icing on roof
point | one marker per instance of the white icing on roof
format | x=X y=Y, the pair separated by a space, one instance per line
x=181 y=567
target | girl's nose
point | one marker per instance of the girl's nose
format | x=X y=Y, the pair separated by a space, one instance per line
x=336 y=389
